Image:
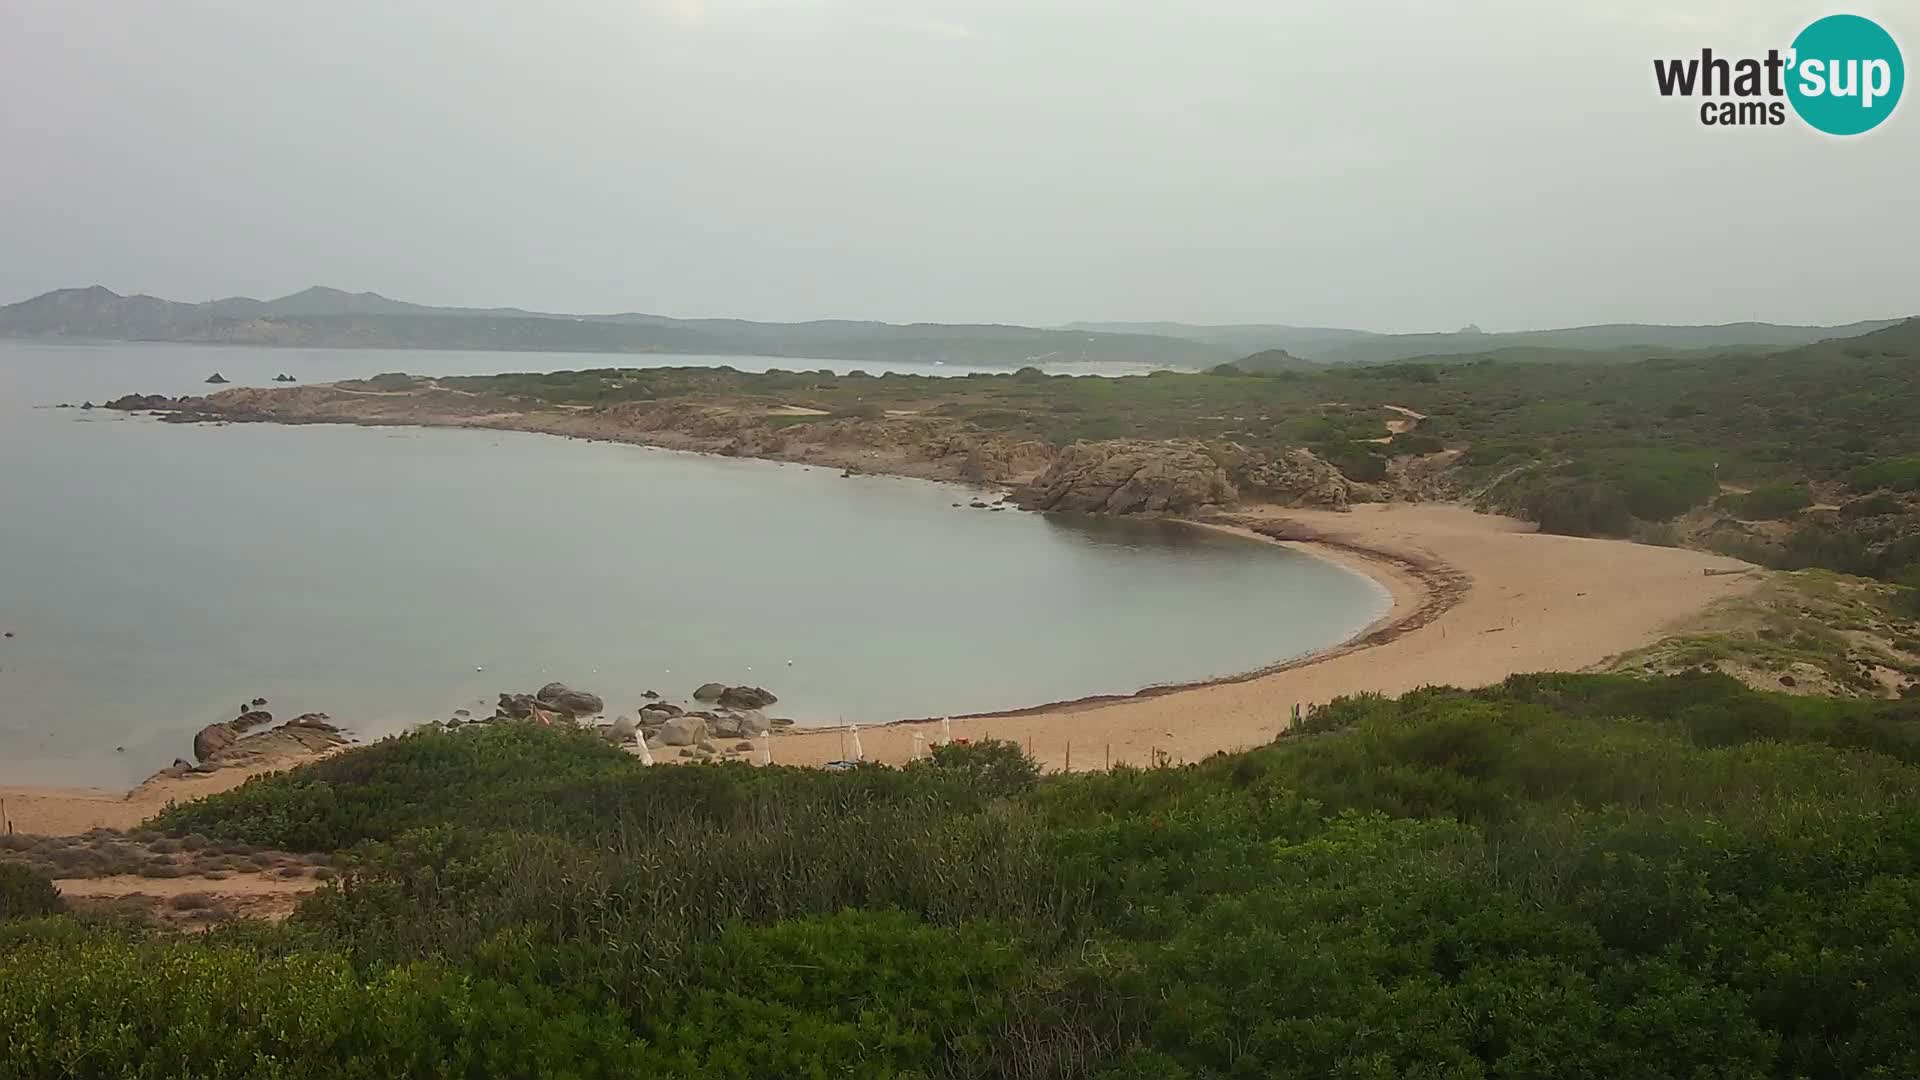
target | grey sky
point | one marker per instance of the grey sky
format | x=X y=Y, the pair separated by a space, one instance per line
x=1388 y=164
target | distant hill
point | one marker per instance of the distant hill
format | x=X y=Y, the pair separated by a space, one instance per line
x=323 y=317
x=1624 y=340
x=1270 y=361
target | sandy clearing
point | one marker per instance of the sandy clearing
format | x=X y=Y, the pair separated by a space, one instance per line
x=252 y=896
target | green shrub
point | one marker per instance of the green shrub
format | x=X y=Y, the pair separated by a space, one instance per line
x=1771 y=502
x=1561 y=875
x=25 y=894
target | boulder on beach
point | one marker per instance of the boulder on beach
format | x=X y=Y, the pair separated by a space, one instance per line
x=746 y=697
x=683 y=731
x=743 y=746
x=212 y=739
x=623 y=729
x=709 y=692
x=562 y=698
x=726 y=726
x=515 y=706
x=661 y=712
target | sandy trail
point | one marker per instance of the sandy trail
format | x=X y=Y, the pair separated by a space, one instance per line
x=253 y=896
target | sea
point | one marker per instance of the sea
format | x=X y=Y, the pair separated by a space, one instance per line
x=155 y=576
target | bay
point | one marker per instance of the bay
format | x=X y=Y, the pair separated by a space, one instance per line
x=157 y=575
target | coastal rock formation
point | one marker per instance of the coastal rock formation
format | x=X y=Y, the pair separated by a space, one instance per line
x=223 y=745
x=142 y=402
x=212 y=739
x=746 y=697
x=1295 y=478
x=564 y=699
x=659 y=713
x=683 y=731
x=216 y=377
x=709 y=691
x=1129 y=476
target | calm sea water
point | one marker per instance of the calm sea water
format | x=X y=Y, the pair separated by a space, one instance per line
x=156 y=575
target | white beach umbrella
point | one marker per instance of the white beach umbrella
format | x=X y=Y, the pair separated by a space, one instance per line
x=853 y=738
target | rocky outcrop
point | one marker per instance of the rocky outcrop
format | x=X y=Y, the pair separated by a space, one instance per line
x=746 y=697
x=144 y=402
x=223 y=745
x=683 y=731
x=1296 y=478
x=217 y=378
x=212 y=739
x=709 y=691
x=571 y=703
x=1130 y=476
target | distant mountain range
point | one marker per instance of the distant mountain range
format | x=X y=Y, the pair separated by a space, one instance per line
x=1330 y=345
x=320 y=317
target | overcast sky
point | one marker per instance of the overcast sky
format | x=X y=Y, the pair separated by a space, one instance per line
x=1386 y=164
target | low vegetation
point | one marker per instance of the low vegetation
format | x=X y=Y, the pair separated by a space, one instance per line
x=1803 y=458
x=1559 y=876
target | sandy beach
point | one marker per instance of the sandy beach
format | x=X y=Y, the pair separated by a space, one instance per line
x=1527 y=602
x=1476 y=597
x=48 y=811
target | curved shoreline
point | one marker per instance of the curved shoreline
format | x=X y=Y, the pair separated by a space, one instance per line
x=1438 y=563
x=1418 y=592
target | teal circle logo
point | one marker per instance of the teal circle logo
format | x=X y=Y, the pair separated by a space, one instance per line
x=1845 y=75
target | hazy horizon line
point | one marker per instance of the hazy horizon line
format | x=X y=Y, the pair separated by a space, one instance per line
x=1066 y=324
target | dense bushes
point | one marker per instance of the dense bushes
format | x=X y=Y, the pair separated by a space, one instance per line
x=1559 y=876
x=25 y=894
x=1771 y=502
